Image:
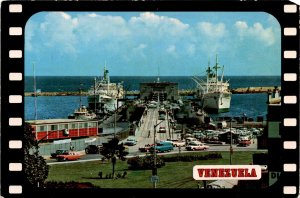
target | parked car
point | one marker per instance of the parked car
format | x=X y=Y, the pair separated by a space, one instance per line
x=196 y=146
x=244 y=143
x=162 y=117
x=179 y=143
x=93 y=149
x=130 y=141
x=59 y=152
x=152 y=105
x=162 y=147
x=162 y=129
x=176 y=142
x=70 y=156
x=190 y=139
x=146 y=148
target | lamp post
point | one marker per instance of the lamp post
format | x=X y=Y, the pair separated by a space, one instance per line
x=115 y=123
x=154 y=171
x=230 y=149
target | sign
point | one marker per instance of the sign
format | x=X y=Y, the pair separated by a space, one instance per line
x=154 y=179
x=90 y=140
x=273 y=177
x=62 y=141
x=274 y=130
x=227 y=172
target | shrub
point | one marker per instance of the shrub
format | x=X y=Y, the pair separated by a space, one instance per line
x=190 y=158
x=70 y=184
x=145 y=163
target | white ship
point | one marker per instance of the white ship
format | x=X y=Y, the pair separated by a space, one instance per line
x=103 y=96
x=214 y=94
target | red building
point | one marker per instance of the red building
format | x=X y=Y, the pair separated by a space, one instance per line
x=52 y=129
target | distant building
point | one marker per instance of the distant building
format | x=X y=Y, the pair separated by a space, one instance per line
x=163 y=90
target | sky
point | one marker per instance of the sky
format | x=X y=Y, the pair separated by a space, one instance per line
x=152 y=43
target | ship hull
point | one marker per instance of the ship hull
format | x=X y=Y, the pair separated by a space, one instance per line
x=103 y=105
x=217 y=102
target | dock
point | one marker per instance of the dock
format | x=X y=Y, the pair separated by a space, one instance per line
x=183 y=92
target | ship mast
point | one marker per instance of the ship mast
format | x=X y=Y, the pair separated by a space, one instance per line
x=216 y=68
x=207 y=73
x=80 y=100
x=217 y=71
x=222 y=77
x=95 y=95
x=35 y=94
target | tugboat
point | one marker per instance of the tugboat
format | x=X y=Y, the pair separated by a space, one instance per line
x=82 y=113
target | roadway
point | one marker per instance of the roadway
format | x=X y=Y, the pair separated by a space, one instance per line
x=145 y=135
x=133 y=151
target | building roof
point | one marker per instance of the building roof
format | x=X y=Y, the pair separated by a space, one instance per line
x=57 y=121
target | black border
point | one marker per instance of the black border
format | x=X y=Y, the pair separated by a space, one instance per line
x=17 y=88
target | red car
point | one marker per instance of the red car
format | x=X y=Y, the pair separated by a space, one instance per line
x=70 y=156
x=146 y=147
x=244 y=143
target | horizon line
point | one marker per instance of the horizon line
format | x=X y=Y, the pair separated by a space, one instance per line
x=161 y=76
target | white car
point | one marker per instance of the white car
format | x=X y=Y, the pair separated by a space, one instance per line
x=191 y=139
x=196 y=146
x=130 y=141
x=176 y=143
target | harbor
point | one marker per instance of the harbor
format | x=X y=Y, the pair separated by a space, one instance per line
x=107 y=110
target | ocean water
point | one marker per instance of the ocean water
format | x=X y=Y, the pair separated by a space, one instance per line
x=252 y=105
x=73 y=83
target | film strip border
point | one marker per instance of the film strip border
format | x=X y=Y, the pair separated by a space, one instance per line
x=290 y=101
x=13 y=95
x=12 y=102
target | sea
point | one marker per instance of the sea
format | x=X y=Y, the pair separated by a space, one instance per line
x=49 y=107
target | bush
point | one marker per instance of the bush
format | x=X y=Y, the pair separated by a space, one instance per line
x=145 y=163
x=70 y=184
x=191 y=158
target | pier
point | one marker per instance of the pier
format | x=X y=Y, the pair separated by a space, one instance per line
x=186 y=92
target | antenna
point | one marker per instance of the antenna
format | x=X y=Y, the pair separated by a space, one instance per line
x=35 y=94
x=95 y=95
x=158 y=73
x=216 y=68
x=80 y=95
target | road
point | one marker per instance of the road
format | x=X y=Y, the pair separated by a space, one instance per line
x=133 y=151
x=143 y=136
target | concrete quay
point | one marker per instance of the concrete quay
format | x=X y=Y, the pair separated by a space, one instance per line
x=185 y=92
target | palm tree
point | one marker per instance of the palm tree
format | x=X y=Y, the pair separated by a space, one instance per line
x=112 y=149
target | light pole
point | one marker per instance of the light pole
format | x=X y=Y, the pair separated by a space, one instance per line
x=154 y=171
x=230 y=149
x=115 y=121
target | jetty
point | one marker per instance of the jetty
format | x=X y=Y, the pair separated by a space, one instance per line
x=183 y=92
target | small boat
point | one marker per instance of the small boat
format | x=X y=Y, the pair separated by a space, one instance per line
x=82 y=113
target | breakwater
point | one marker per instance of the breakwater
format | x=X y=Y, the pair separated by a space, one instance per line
x=185 y=92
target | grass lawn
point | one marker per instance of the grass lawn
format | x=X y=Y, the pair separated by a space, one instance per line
x=172 y=175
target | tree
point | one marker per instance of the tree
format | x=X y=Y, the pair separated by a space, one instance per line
x=35 y=166
x=112 y=149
